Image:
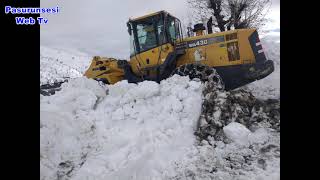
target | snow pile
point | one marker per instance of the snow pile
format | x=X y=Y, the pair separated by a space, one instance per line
x=239 y=138
x=57 y=65
x=269 y=87
x=221 y=108
x=214 y=159
x=237 y=132
x=122 y=131
x=146 y=131
x=66 y=128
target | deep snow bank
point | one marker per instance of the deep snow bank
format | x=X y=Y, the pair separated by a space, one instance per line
x=146 y=131
x=57 y=65
x=239 y=137
x=135 y=132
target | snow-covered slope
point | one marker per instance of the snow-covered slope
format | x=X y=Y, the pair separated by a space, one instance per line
x=57 y=65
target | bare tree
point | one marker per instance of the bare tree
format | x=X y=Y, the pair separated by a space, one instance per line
x=231 y=14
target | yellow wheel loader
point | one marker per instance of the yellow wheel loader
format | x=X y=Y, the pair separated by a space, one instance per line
x=159 y=50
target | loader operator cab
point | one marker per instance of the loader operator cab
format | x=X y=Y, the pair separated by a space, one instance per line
x=152 y=31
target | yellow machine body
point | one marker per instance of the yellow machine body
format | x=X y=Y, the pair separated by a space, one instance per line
x=226 y=51
x=213 y=55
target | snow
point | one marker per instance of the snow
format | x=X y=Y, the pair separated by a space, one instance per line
x=237 y=132
x=241 y=135
x=133 y=132
x=259 y=136
x=215 y=159
x=57 y=64
x=145 y=131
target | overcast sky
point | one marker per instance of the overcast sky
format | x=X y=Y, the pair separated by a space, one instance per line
x=98 y=27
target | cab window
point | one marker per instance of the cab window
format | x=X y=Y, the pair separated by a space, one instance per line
x=161 y=33
x=146 y=36
x=172 y=29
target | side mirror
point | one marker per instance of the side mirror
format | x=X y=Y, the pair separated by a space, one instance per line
x=129 y=28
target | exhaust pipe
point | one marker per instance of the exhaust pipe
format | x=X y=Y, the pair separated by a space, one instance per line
x=209 y=25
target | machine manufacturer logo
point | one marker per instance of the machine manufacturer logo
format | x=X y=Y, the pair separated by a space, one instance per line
x=198 y=43
x=203 y=42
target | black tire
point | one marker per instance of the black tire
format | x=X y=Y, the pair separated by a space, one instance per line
x=202 y=72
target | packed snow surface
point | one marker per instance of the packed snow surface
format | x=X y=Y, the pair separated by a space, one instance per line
x=145 y=131
x=57 y=65
x=134 y=132
x=237 y=132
